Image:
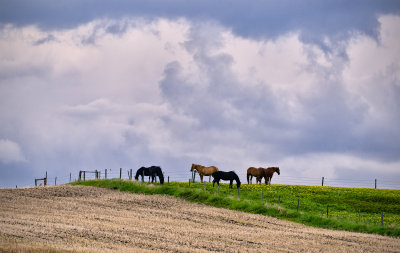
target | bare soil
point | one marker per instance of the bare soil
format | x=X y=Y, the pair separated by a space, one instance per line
x=78 y=218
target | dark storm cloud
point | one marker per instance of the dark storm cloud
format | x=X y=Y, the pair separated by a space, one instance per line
x=315 y=19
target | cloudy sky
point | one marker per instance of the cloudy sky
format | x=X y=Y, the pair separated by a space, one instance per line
x=310 y=86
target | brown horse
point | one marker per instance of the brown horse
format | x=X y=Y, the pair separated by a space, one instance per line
x=204 y=171
x=256 y=172
x=269 y=172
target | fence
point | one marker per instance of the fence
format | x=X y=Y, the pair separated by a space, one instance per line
x=185 y=175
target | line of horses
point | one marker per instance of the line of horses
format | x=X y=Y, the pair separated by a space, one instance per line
x=258 y=173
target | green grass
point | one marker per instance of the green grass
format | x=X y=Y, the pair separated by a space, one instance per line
x=344 y=203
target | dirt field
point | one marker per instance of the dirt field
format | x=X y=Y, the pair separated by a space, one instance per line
x=77 y=218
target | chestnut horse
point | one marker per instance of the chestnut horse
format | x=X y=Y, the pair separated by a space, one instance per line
x=204 y=171
x=269 y=172
x=256 y=172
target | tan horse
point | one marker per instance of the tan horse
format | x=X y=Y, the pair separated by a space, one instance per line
x=204 y=171
x=269 y=172
x=254 y=172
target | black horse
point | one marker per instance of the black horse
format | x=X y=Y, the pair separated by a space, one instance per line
x=231 y=175
x=152 y=171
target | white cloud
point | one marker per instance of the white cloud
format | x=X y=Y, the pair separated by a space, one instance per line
x=10 y=152
x=130 y=92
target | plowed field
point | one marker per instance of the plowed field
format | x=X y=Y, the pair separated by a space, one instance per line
x=78 y=218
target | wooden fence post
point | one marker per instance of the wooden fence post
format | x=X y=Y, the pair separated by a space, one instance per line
x=375 y=183
x=55 y=181
x=279 y=200
x=105 y=173
x=120 y=173
x=218 y=188
x=322 y=181
x=84 y=176
x=143 y=176
x=130 y=177
x=168 y=180
x=238 y=193
x=70 y=176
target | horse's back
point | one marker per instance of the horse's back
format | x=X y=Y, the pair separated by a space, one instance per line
x=224 y=175
x=255 y=171
x=207 y=171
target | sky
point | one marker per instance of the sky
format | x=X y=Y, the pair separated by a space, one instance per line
x=312 y=87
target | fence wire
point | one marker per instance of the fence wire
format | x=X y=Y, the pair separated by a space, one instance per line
x=175 y=176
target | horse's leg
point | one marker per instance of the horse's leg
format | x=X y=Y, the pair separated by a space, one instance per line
x=248 y=182
x=201 y=178
x=230 y=185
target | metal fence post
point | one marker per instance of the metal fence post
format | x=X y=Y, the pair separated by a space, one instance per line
x=298 y=203
x=327 y=211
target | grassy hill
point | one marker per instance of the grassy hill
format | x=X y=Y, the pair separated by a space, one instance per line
x=351 y=209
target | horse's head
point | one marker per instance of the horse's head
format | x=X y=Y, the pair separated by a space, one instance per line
x=193 y=167
x=277 y=170
x=139 y=172
x=161 y=176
